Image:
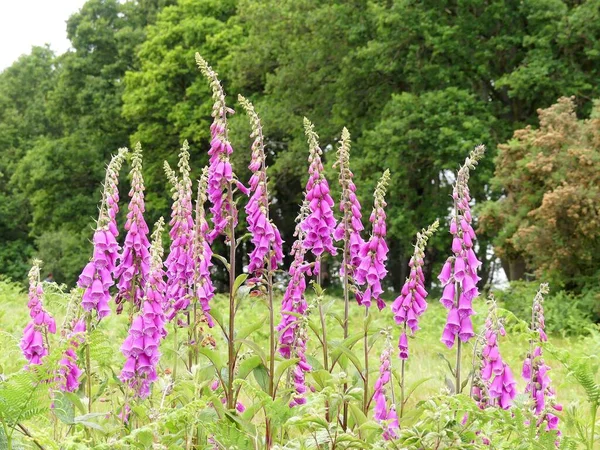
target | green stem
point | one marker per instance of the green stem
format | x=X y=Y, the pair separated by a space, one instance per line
x=593 y=431
x=88 y=368
x=230 y=339
x=402 y=388
x=175 y=350
x=458 y=355
x=346 y=317
x=366 y=377
x=8 y=435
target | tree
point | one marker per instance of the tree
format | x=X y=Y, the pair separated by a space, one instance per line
x=550 y=180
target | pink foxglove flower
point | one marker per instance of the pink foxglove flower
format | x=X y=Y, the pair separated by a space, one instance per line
x=220 y=173
x=97 y=276
x=373 y=254
x=69 y=371
x=204 y=288
x=180 y=262
x=294 y=302
x=494 y=384
x=535 y=370
x=385 y=409
x=35 y=336
x=411 y=303
x=141 y=347
x=350 y=227
x=459 y=273
x=320 y=223
x=267 y=252
x=134 y=265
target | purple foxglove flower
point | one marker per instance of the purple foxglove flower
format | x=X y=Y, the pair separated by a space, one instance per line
x=134 y=266
x=33 y=343
x=411 y=302
x=373 y=254
x=319 y=225
x=350 y=227
x=141 y=347
x=535 y=370
x=69 y=371
x=459 y=273
x=97 y=275
x=220 y=173
x=385 y=416
x=267 y=253
x=180 y=262
x=205 y=290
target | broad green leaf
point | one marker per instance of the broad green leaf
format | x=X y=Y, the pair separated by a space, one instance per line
x=248 y=365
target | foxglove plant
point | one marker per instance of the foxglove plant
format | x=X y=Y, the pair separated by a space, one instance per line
x=411 y=303
x=141 y=347
x=493 y=384
x=535 y=370
x=97 y=276
x=134 y=266
x=180 y=262
x=34 y=343
x=320 y=223
x=383 y=395
x=220 y=190
x=373 y=254
x=459 y=273
x=267 y=253
x=69 y=371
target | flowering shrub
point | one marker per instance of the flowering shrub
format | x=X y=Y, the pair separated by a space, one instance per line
x=293 y=378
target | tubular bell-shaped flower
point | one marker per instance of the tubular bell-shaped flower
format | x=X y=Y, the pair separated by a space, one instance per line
x=373 y=254
x=134 y=264
x=350 y=227
x=493 y=384
x=267 y=252
x=411 y=302
x=97 y=276
x=535 y=370
x=294 y=302
x=384 y=394
x=319 y=225
x=459 y=273
x=299 y=351
x=69 y=371
x=180 y=262
x=35 y=336
x=147 y=327
x=204 y=288
x=220 y=173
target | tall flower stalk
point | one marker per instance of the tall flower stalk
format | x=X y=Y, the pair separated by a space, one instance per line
x=371 y=270
x=383 y=395
x=319 y=225
x=34 y=343
x=459 y=273
x=97 y=276
x=348 y=230
x=493 y=384
x=134 y=265
x=535 y=370
x=412 y=303
x=220 y=190
x=69 y=371
x=147 y=329
x=180 y=262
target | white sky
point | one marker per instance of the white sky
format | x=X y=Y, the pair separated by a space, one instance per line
x=25 y=23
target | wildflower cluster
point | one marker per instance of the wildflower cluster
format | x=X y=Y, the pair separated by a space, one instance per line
x=459 y=273
x=411 y=303
x=69 y=371
x=535 y=370
x=97 y=276
x=320 y=223
x=494 y=384
x=34 y=342
x=350 y=226
x=180 y=262
x=373 y=254
x=134 y=264
x=383 y=393
x=203 y=284
x=148 y=327
x=267 y=252
x=220 y=173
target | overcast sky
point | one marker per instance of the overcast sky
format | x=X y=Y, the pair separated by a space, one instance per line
x=25 y=23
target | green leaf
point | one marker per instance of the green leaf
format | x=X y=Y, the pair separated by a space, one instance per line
x=352 y=357
x=248 y=365
x=259 y=351
x=238 y=282
x=213 y=356
x=282 y=367
x=63 y=408
x=262 y=377
x=223 y=260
